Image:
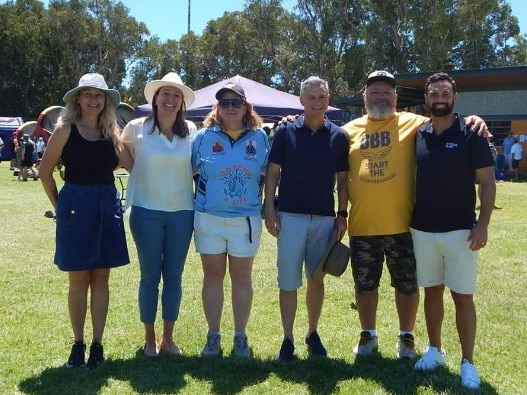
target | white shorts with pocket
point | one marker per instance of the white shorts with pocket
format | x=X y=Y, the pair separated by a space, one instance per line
x=445 y=258
x=239 y=236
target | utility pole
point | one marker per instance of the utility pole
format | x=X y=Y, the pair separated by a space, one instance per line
x=188 y=21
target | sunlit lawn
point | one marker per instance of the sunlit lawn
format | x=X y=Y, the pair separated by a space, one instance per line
x=35 y=336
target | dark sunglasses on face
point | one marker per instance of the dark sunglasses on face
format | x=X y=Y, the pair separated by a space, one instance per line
x=235 y=103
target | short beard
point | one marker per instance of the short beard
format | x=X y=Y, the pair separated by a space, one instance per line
x=380 y=112
x=441 y=112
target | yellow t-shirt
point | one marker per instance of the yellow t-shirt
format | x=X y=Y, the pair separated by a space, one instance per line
x=381 y=174
x=234 y=134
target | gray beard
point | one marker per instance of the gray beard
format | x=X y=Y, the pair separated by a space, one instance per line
x=380 y=113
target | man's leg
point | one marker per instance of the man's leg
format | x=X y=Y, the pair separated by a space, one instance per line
x=314 y=302
x=466 y=324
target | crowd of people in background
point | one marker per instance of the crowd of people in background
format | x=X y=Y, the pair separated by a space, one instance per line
x=209 y=184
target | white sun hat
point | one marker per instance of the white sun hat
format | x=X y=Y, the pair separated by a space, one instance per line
x=93 y=80
x=171 y=79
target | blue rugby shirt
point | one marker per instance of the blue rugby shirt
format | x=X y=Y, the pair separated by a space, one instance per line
x=230 y=171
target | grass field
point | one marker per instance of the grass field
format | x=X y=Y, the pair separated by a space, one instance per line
x=35 y=334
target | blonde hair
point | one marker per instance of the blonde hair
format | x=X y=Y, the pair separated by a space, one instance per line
x=106 y=122
x=251 y=120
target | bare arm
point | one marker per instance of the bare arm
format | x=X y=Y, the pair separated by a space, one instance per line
x=341 y=223
x=478 y=125
x=271 y=182
x=479 y=234
x=50 y=159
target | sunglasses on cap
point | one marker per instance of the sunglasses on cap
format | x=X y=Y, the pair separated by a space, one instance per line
x=235 y=103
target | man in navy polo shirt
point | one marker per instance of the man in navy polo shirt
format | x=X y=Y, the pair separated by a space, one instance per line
x=306 y=158
x=445 y=232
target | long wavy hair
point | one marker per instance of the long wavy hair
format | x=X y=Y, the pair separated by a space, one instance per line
x=106 y=122
x=251 y=120
x=179 y=127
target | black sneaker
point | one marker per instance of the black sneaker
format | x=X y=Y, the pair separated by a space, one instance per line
x=287 y=350
x=76 y=358
x=315 y=346
x=96 y=355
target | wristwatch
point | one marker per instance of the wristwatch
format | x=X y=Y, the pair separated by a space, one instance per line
x=342 y=213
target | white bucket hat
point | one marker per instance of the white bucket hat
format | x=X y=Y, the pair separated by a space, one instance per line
x=171 y=79
x=93 y=80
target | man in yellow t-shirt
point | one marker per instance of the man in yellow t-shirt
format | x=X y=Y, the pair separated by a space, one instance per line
x=381 y=192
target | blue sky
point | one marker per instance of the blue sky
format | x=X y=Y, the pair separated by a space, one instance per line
x=169 y=18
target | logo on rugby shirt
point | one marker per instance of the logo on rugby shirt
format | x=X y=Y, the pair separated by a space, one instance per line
x=217 y=147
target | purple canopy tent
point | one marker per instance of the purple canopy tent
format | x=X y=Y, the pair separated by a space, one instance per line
x=271 y=104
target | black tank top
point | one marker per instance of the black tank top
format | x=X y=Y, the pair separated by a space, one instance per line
x=88 y=162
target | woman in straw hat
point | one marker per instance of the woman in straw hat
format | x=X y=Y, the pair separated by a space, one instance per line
x=90 y=236
x=230 y=156
x=160 y=195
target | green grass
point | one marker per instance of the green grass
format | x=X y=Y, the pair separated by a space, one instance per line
x=35 y=334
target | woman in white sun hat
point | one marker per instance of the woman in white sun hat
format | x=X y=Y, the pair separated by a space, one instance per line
x=90 y=235
x=160 y=195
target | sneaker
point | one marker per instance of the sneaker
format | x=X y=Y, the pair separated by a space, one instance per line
x=469 y=376
x=367 y=344
x=213 y=346
x=241 y=347
x=405 y=347
x=96 y=355
x=76 y=358
x=287 y=351
x=431 y=359
x=315 y=346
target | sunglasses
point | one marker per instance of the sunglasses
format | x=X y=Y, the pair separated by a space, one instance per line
x=235 y=103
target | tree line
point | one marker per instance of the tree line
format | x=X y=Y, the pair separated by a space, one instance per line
x=44 y=50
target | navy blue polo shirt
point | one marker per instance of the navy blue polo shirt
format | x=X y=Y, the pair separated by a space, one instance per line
x=308 y=163
x=445 y=195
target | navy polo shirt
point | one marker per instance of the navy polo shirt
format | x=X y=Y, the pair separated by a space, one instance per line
x=308 y=163
x=445 y=194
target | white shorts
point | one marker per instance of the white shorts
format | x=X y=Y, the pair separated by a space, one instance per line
x=445 y=258
x=302 y=238
x=239 y=236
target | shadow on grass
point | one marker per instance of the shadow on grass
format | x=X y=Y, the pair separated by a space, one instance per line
x=229 y=375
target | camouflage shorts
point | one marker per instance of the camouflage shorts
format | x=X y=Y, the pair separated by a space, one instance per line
x=367 y=258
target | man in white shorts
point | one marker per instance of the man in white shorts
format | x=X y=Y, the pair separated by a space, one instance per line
x=445 y=231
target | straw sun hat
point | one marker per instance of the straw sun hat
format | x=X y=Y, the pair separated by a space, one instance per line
x=171 y=79
x=93 y=80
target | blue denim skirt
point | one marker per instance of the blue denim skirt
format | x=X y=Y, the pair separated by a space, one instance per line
x=90 y=230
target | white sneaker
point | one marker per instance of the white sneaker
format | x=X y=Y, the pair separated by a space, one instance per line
x=405 y=348
x=469 y=376
x=431 y=359
x=367 y=345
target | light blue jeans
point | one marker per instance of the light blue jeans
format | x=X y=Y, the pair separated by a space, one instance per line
x=162 y=240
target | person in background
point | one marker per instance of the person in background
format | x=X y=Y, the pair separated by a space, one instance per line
x=13 y=165
x=508 y=142
x=229 y=157
x=90 y=235
x=40 y=146
x=28 y=150
x=445 y=232
x=381 y=192
x=307 y=157
x=517 y=155
x=160 y=195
